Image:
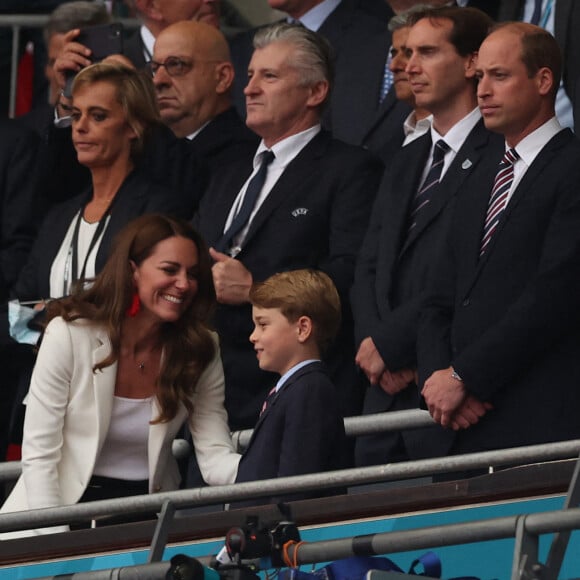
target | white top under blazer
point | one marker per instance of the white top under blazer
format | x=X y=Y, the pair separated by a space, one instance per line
x=67 y=418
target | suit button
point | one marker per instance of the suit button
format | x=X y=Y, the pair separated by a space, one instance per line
x=466 y=302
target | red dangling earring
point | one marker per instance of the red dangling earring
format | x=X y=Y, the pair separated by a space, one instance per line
x=135 y=305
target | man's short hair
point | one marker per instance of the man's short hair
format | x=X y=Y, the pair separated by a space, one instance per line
x=539 y=49
x=470 y=26
x=313 y=56
x=79 y=14
x=405 y=18
x=302 y=293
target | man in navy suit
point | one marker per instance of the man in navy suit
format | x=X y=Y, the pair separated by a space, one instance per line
x=410 y=221
x=300 y=430
x=361 y=110
x=311 y=210
x=499 y=336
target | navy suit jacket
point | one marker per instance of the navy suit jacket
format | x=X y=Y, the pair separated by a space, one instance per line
x=18 y=200
x=301 y=431
x=225 y=140
x=395 y=270
x=509 y=322
x=314 y=217
x=566 y=26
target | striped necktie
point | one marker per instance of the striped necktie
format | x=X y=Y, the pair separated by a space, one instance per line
x=423 y=196
x=499 y=196
x=537 y=15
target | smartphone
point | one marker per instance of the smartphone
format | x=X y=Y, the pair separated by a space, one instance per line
x=103 y=40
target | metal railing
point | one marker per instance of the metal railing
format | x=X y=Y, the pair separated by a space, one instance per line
x=365 y=424
x=525 y=529
x=354 y=426
x=19 y=21
x=187 y=498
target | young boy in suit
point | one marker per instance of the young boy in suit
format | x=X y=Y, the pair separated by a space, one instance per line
x=300 y=430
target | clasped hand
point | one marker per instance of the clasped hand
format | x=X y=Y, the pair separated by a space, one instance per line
x=371 y=363
x=449 y=403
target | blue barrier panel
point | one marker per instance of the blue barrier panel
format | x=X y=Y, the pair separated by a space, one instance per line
x=487 y=560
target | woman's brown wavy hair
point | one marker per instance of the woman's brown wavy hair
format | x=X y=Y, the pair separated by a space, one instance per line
x=187 y=343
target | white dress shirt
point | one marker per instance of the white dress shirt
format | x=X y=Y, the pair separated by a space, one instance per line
x=285 y=151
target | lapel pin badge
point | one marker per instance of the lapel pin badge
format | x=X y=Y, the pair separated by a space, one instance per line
x=466 y=164
x=299 y=211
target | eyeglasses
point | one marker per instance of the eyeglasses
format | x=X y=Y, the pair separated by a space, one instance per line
x=174 y=66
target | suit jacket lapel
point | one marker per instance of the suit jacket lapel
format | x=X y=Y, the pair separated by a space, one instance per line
x=103 y=384
x=510 y=10
x=563 y=11
x=527 y=184
x=222 y=202
x=299 y=373
x=404 y=184
x=524 y=188
x=335 y=26
x=462 y=166
x=290 y=180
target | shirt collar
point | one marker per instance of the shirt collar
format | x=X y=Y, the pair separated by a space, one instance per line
x=148 y=42
x=288 y=148
x=531 y=145
x=411 y=125
x=293 y=370
x=459 y=132
x=315 y=17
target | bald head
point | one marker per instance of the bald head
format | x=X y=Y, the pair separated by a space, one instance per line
x=198 y=37
x=199 y=89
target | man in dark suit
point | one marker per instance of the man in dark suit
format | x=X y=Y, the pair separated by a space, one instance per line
x=562 y=19
x=499 y=336
x=311 y=210
x=362 y=110
x=193 y=79
x=409 y=223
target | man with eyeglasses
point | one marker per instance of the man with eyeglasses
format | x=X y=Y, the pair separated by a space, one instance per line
x=193 y=76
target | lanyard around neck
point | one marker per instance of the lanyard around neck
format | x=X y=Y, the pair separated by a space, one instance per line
x=73 y=251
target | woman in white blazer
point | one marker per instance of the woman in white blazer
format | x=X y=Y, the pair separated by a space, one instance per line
x=121 y=366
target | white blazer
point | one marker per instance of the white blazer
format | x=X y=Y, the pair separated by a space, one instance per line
x=68 y=410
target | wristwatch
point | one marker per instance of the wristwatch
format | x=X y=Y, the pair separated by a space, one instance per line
x=455 y=375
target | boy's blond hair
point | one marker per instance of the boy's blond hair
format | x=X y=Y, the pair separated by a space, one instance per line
x=302 y=293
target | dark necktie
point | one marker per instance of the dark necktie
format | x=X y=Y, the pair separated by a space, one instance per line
x=253 y=190
x=499 y=196
x=537 y=12
x=423 y=196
